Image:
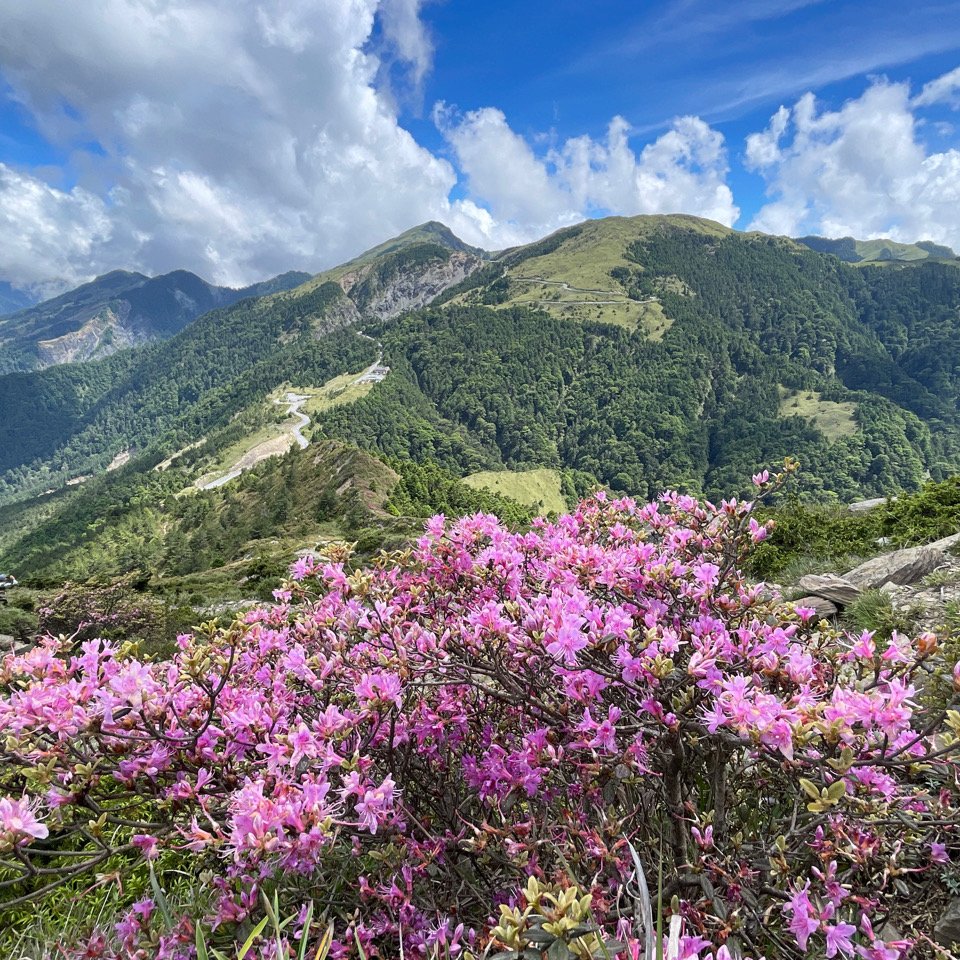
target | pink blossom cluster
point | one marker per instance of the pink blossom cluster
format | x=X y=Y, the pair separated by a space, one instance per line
x=405 y=744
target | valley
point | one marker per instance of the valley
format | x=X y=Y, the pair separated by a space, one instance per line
x=631 y=353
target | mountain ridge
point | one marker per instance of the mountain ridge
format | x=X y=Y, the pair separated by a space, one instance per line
x=878 y=249
x=840 y=354
x=118 y=309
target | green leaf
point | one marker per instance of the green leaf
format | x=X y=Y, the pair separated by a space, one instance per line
x=254 y=933
x=363 y=956
x=325 y=941
x=558 y=950
x=539 y=935
x=159 y=896
x=305 y=933
x=201 y=945
x=837 y=791
x=810 y=788
x=660 y=901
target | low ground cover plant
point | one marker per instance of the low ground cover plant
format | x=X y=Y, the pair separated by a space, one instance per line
x=481 y=746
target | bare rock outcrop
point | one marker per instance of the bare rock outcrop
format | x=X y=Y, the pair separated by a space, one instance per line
x=825 y=609
x=829 y=586
x=947 y=929
x=415 y=288
x=902 y=567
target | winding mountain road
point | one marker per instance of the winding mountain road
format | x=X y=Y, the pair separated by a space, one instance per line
x=566 y=286
x=275 y=446
x=294 y=402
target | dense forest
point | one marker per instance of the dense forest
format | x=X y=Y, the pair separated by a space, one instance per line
x=754 y=317
x=75 y=419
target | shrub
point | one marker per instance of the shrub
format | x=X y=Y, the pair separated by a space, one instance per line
x=407 y=745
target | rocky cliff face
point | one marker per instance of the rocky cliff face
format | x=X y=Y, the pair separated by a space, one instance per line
x=106 y=332
x=410 y=287
x=115 y=311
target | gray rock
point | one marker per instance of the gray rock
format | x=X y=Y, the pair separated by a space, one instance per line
x=900 y=566
x=831 y=587
x=947 y=543
x=825 y=609
x=861 y=506
x=947 y=928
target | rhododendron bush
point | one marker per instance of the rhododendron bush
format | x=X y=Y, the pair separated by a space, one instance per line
x=471 y=746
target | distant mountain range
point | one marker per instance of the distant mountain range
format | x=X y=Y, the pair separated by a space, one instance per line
x=12 y=299
x=120 y=309
x=878 y=251
x=634 y=352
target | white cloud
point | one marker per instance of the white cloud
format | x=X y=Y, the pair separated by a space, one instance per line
x=241 y=138
x=47 y=231
x=944 y=89
x=405 y=30
x=683 y=171
x=861 y=170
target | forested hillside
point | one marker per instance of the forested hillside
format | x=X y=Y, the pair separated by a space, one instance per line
x=771 y=350
x=636 y=353
x=75 y=419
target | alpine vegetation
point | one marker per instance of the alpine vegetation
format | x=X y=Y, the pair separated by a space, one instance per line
x=595 y=738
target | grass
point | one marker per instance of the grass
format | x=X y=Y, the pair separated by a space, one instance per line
x=587 y=259
x=334 y=393
x=873 y=610
x=654 y=320
x=834 y=420
x=584 y=261
x=539 y=489
x=271 y=436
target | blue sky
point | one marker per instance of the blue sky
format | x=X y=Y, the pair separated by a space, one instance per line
x=240 y=138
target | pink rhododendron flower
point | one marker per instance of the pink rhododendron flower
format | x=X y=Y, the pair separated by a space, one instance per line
x=18 y=822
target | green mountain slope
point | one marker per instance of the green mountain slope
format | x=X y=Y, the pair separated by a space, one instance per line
x=698 y=398
x=148 y=518
x=640 y=353
x=73 y=420
x=119 y=309
x=13 y=299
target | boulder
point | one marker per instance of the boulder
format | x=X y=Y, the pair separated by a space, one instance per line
x=831 y=587
x=901 y=566
x=947 y=928
x=824 y=608
x=861 y=506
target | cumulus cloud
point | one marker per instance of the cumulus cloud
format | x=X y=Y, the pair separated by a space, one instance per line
x=861 y=170
x=47 y=231
x=684 y=170
x=241 y=138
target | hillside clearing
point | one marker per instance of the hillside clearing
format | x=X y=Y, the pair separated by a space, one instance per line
x=533 y=488
x=834 y=420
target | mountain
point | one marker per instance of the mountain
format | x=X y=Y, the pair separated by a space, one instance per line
x=12 y=299
x=75 y=419
x=404 y=273
x=639 y=353
x=120 y=309
x=879 y=250
x=696 y=353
